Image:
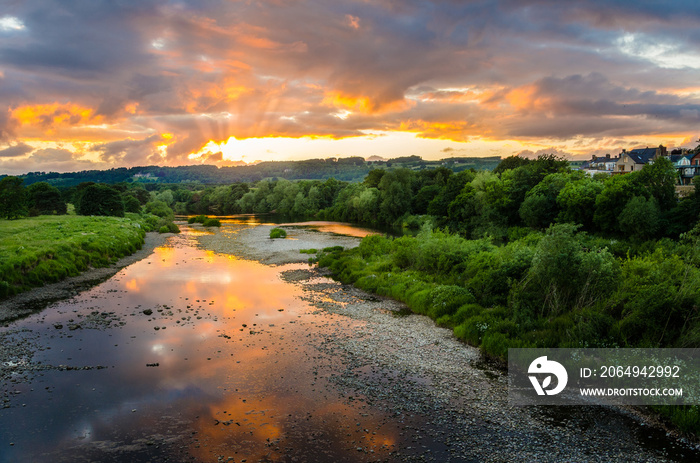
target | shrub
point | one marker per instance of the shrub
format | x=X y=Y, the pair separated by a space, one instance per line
x=168 y=227
x=212 y=223
x=277 y=233
x=445 y=299
x=374 y=245
x=160 y=209
x=197 y=219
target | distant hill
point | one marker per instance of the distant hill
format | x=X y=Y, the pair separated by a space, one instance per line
x=349 y=169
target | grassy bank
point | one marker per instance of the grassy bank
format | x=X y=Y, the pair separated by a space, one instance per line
x=558 y=288
x=45 y=249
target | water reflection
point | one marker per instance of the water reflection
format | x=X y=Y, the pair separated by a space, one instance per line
x=339 y=228
x=191 y=355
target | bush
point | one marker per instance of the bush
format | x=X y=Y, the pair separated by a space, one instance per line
x=374 y=245
x=277 y=233
x=333 y=249
x=169 y=227
x=160 y=209
x=212 y=223
x=197 y=219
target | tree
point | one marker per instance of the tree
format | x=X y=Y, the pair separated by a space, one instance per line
x=540 y=207
x=12 y=198
x=131 y=204
x=100 y=199
x=511 y=162
x=660 y=179
x=640 y=219
x=577 y=201
x=617 y=191
x=45 y=199
x=373 y=177
x=395 y=194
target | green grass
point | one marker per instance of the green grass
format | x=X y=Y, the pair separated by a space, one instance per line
x=45 y=249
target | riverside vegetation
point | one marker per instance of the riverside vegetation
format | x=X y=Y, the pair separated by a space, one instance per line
x=51 y=244
x=570 y=261
x=46 y=249
x=531 y=254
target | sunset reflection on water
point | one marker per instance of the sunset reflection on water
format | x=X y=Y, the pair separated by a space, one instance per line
x=234 y=370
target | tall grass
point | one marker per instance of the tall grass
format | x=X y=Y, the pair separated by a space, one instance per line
x=45 y=249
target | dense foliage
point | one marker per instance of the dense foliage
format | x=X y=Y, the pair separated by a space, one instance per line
x=99 y=199
x=13 y=196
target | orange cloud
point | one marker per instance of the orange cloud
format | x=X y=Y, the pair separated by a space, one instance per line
x=55 y=115
x=460 y=131
x=362 y=104
x=527 y=98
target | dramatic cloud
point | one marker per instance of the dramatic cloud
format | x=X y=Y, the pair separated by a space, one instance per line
x=159 y=81
x=19 y=149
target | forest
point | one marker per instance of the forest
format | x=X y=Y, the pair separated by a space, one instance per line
x=349 y=169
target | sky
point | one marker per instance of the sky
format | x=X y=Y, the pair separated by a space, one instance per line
x=95 y=84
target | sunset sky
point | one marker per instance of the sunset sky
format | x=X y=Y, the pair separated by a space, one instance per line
x=94 y=84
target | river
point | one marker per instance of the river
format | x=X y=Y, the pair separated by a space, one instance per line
x=196 y=353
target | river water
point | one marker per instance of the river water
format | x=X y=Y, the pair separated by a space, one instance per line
x=190 y=355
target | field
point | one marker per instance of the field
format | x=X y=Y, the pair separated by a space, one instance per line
x=39 y=250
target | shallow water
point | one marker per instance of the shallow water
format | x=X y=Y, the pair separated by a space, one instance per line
x=189 y=355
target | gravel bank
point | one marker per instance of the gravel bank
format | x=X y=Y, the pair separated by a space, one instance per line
x=253 y=242
x=453 y=405
x=36 y=299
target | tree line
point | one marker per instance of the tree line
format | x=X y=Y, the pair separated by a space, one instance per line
x=517 y=196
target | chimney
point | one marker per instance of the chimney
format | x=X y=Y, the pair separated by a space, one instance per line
x=607 y=156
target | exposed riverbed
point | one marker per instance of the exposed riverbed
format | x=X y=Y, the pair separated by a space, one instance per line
x=224 y=345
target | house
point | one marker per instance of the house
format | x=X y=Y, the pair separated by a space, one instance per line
x=602 y=163
x=632 y=160
x=685 y=167
x=695 y=159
